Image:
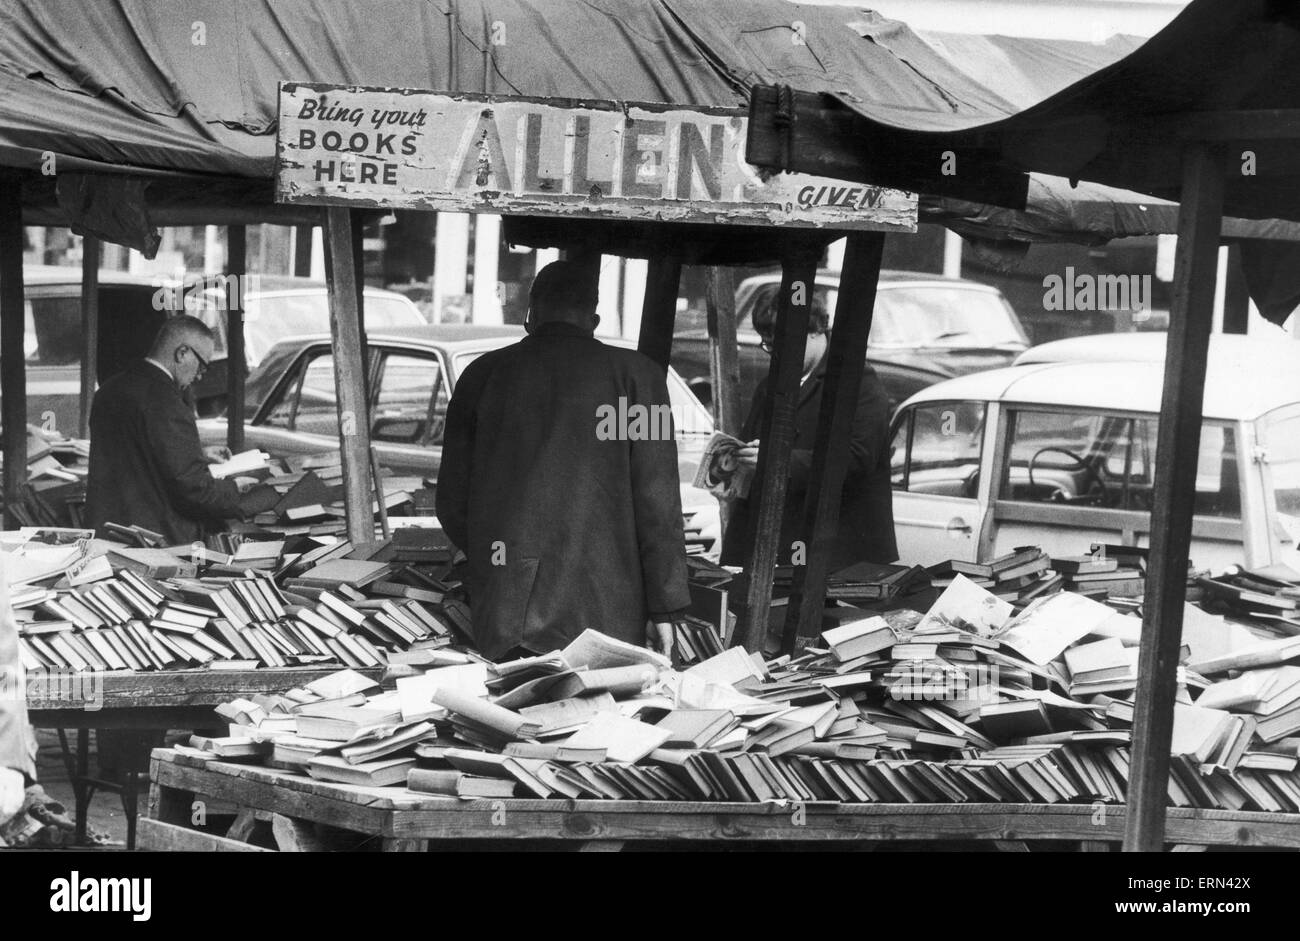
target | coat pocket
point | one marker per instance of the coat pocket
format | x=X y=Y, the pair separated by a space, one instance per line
x=509 y=590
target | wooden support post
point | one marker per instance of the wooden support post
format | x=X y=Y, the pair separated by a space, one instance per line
x=659 y=310
x=13 y=367
x=349 y=375
x=236 y=357
x=724 y=354
x=302 y=236
x=846 y=358
x=1236 y=298
x=767 y=493
x=1177 y=443
x=89 y=329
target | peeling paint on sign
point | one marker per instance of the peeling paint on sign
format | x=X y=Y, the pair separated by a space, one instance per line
x=399 y=148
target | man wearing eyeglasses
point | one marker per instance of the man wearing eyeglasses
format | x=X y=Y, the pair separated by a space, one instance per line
x=146 y=464
x=864 y=531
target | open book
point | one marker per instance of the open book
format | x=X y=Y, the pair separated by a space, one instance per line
x=719 y=472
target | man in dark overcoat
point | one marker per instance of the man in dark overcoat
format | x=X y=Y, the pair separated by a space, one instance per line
x=559 y=481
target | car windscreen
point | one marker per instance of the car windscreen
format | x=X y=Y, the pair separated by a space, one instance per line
x=689 y=416
x=944 y=317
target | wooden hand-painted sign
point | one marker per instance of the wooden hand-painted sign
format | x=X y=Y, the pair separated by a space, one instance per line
x=399 y=148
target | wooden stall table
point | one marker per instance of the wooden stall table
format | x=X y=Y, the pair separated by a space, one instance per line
x=393 y=819
x=143 y=702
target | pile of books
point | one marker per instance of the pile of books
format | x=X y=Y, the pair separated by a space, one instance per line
x=92 y=605
x=971 y=701
x=55 y=491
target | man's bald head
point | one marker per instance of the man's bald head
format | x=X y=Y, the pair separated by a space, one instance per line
x=565 y=292
x=184 y=346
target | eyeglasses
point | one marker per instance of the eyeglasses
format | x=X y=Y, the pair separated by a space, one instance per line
x=203 y=363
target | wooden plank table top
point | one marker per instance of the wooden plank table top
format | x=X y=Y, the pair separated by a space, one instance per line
x=155 y=699
x=394 y=813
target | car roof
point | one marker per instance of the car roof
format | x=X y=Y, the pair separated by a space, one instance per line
x=447 y=335
x=1121 y=386
x=69 y=274
x=888 y=278
x=1149 y=346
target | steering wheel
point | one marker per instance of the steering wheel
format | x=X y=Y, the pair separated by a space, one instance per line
x=1092 y=477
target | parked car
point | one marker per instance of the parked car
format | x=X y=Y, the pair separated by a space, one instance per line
x=292 y=410
x=131 y=309
x=1062 y=455
x=924 y=329
x=52 y=337
x=276 y=307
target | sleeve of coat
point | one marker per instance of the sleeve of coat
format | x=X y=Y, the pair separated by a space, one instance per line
x=657 y=503
x=452 y=492
x=14 y=751
x=173 y=436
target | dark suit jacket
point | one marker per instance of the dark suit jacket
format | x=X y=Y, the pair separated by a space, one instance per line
x=865 y=529
x=146 y=464
x=563 y=529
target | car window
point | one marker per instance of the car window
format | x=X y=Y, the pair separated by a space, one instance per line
x=937 y=447
x=52 y=334
x=408 y=386
x=1108 y=461
x=944 y=316
x=316 y=412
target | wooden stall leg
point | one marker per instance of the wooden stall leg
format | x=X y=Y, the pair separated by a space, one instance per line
x=82 y=790
x=349 y=375
x=90 y=252
x=798 y=281
x=724 y=353
x=236 y=358
x=1178 y=438
x=846 y=359
x=13 y=366
x=295 y=836
x=242 y=827
x=130 y=796
x=659 y=309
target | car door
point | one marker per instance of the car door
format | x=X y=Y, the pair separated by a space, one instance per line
x=1071 y=477
x=936 y=454
x=408 y=409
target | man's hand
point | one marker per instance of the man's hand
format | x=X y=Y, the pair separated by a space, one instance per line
x=660 y=638
x=216 y=453
x=12 y=791
x=258 y=500
x=748 y=455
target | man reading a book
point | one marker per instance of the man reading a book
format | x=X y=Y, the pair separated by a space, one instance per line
x=566 y=525
x=864 y=529
x=146 y=464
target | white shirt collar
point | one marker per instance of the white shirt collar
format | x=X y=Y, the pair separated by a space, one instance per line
x=150 y=359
